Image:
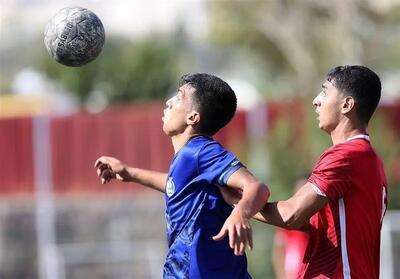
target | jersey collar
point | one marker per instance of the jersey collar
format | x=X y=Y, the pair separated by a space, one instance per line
x=366 y=137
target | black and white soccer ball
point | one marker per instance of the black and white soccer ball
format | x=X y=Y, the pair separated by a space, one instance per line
x=74 y=36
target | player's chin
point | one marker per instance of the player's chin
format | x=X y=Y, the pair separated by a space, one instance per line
x=165 y=129
x=325 y=128
x=320 y=123
x=322 y=127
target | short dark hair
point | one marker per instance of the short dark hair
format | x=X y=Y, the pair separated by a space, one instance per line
x=213 y=98
x=362 y=84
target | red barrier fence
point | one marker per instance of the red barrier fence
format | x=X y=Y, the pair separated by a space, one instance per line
x=131 y=133
x=16 y=163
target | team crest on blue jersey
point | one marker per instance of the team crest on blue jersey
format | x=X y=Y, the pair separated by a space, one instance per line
x=170 y=188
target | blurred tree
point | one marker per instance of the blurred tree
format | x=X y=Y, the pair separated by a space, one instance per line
x=124 y=71
x=300 y=40
x=387 y=144
x=290 y=151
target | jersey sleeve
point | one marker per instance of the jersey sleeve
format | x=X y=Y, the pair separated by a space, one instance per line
x=332 y=174
x=216 y=164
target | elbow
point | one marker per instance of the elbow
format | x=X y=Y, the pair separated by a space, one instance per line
x=292 y=219
x=259 y=198
x=263 y=191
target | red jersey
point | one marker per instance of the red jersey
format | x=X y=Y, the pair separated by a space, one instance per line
x=344 y=237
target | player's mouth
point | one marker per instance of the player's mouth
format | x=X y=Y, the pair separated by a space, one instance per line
x=316 y=111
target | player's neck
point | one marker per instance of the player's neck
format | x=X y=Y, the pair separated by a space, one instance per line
x=179 y=140
x=346 y=131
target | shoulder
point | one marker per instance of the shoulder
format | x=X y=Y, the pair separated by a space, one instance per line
x=346 y=154
x=338 y=152
x=353 y=148
x=340 y=149
x=201 y=149
x=194 y=146
x=206 y=146
x=199 y=142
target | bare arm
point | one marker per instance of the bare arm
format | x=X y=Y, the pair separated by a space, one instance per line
x=295 y=212
x=111 y=168
x=254 y=195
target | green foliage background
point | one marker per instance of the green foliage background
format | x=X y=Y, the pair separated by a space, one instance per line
x=125 y=71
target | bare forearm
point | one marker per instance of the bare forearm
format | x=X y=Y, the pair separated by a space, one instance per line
x=295 y=212
x=109 y=168
x=254 y=197
x=271 y=214
x=151 y=179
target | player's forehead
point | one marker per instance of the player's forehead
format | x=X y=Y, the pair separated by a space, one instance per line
x=328 y=84
x=186 y=90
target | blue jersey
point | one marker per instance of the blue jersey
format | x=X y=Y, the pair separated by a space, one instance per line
x=196 y=211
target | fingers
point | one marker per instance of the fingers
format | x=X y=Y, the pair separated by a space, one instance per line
x=100 y=165
x=250 y=238
x=239 y=245
x=240 y=237
x=104 y=170
x=239 y=249
x=222 y=233
x=107 y=175
x=101 y=168
x=104 y=160
x=98 y=162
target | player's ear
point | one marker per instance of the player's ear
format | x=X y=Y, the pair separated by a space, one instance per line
x=193 y=118
x=348 y=104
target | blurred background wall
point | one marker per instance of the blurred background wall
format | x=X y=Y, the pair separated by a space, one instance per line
x=58 y=221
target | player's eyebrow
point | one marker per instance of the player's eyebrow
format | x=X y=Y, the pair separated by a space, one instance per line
x=324 y=86
x=181 y=92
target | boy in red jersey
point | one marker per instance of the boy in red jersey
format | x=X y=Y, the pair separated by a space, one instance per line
x=344 y=200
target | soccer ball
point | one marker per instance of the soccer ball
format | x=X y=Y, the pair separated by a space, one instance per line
x=74 y=36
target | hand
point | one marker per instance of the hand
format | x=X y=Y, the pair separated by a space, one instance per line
x=109 y=168
x=238 y=228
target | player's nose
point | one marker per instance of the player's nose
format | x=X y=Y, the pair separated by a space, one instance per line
x=168 y=103
x=316 y=102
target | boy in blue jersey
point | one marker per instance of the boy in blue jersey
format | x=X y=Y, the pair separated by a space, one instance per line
x=196 y=214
